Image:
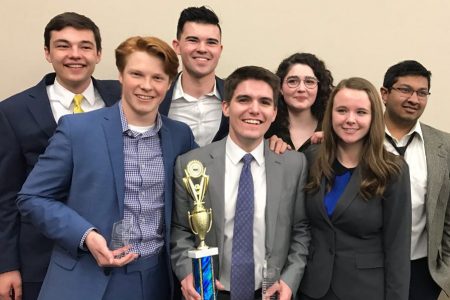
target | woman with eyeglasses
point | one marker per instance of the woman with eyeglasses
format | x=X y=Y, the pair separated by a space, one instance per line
x=358 y=201
x=305 y=86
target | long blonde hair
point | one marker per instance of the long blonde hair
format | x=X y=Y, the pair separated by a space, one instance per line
x=376 y=164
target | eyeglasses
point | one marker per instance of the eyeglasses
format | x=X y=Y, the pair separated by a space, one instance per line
x=294 y=81
x=408 y=92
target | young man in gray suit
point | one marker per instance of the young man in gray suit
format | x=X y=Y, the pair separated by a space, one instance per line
x=405 y=94
x=72 y=45
x=247 y=182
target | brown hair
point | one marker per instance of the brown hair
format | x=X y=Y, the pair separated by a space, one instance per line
x=251 y=72
x=151 y=45
x=378 y=165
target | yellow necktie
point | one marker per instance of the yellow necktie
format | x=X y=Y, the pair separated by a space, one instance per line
x=77 y=99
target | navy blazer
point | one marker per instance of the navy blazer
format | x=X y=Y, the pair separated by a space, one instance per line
x=363 y=250
x=26 y=124
x=165 y=107
x=78 y=183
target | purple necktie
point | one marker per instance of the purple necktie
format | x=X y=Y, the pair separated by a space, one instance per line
x=242 y=283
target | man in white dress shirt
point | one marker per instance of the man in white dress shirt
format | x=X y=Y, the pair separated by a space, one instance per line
x=264 y=223
x=196 y=94
x=405 y=93
x=72 y=44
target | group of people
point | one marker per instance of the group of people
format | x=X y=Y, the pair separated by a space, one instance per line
x=357 y=209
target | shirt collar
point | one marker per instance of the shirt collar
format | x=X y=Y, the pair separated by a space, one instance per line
x=179 y=93
x=65 y=96
x=125 y=128
x=235 y=153
x=417 y=129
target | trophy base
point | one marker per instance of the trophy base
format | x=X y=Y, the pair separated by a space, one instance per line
x=202 y=253
x=202 y=267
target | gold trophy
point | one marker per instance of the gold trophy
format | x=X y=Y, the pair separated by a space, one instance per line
x=200 y=220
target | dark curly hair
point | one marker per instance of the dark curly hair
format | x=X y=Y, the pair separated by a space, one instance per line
x=281 y=124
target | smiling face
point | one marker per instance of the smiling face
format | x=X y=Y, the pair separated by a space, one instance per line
x=351 y=117
x=199 y=47
x=299 y=98
x=404 y=109
x=144 y=85
x=73 y=54
x=251 y=111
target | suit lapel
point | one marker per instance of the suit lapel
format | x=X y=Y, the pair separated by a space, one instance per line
x=39 y=105
x=349 y=194
x=317 y=200
x=436 y=167
x=108 y=93
x=168 y=160
x=112 y=127
x=274 y=178
x=215 y=168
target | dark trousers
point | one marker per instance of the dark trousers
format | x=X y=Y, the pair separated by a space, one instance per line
x=225 y=295
x=328 y=296
x=147 y=279
x=30 y=290
x=422 y=286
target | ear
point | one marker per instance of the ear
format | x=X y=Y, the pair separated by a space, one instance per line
x=47 y=54
x=176 y=46
x=99 y=56
x=274 y=114
x=226 y=108
x=120 y=78
x=384 y=94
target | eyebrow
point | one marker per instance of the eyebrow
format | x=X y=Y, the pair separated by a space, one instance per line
x=68 y=42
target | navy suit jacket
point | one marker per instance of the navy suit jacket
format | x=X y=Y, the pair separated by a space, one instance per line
x=26 y=124
x=79 y=183
x=165 y=106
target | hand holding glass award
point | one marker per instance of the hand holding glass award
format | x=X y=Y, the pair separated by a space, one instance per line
x=200 y=221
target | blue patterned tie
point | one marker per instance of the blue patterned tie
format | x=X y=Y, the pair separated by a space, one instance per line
x=242 y=283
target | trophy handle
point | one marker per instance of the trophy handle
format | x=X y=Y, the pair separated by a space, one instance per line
x=210 y=219
x=190 y=223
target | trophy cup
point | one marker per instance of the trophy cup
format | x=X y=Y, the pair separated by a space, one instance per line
x=200 y=221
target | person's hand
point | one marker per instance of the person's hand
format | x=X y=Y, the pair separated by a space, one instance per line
x=103 y=255
x=219 y=286
x=277 y=145
x=317 y=137
x=188 y=289
x=10 y=284
x=284 y=291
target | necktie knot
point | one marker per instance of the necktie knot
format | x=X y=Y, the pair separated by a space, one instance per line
x=247 y=159
x=77 y=99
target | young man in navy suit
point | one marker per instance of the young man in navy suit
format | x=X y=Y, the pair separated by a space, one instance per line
x=72 y=44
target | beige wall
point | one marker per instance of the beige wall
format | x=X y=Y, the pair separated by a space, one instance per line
x=354 y=37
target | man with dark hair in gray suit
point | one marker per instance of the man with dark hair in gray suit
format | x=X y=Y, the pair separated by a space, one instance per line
x=405 y=94
x=261 y=220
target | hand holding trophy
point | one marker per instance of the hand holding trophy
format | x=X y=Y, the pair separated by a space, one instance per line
x=200 y=220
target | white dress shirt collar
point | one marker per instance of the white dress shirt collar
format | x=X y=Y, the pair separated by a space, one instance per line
x=235 y=153
x=65 y=96
x=178 y=92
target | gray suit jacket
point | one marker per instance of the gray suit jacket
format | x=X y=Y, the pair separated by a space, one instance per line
x=437 y=150
x=287 y=231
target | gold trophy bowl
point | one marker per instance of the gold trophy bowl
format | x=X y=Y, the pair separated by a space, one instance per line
x=200 y=222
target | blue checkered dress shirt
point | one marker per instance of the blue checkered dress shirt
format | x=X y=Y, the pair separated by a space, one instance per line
x=144 y=187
